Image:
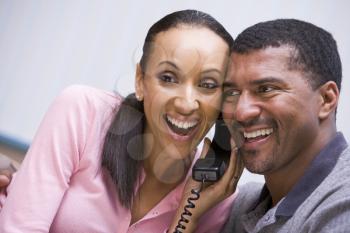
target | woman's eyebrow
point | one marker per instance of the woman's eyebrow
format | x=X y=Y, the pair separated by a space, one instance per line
x=211 y=70
x=166 y=62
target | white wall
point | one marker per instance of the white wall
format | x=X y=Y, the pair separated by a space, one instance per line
x=47 y=45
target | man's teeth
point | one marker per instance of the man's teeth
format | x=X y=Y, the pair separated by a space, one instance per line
x=181 y=124
x=257 y=133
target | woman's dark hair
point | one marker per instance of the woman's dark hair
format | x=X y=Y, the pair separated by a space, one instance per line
x=122 y=153
x=187 y=17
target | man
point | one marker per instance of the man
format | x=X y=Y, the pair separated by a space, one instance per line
x=281 y=95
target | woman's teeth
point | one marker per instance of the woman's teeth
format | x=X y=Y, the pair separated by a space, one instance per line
x=181 y=127
x=182 y=124
x=258 y=133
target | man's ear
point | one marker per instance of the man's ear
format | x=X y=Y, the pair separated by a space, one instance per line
x=139 y=83
x=329 y=99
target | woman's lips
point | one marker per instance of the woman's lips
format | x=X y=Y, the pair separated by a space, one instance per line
x=181 y=130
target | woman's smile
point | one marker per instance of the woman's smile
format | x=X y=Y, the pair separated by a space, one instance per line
x=181 y=130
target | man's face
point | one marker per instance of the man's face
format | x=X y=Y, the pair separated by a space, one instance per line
x=273 y=109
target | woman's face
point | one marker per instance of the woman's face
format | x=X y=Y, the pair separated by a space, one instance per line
x=181 y=87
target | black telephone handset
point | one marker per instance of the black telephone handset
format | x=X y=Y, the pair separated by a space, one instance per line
x=213 y=166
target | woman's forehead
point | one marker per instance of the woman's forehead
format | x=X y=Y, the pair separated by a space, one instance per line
x=189 y=45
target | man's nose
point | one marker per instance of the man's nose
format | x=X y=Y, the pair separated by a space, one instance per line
x=247 y=109
x=187 y=101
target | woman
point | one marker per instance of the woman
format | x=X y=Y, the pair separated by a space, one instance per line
x=146 y=143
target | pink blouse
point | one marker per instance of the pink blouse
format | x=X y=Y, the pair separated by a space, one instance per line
x=61 y=186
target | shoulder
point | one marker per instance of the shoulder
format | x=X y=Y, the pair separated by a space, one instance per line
x=344 y=158
x=337 y=184
x=250 y=192
x=80 y=94
x=339 y=178
x=86 y=102
x=329 y=205
x=82 y=107
x=334 y=187
x=328 y=212
x=248 y=195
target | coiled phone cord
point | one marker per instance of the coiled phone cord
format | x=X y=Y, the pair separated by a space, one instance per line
x=195 y=195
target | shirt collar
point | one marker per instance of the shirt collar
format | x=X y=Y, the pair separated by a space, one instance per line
x=264 y=194
x=322 y=165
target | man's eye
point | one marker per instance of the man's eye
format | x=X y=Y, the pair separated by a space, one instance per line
x=228 y=93
x=231 y=95
x=167 y=78
x=266 y=89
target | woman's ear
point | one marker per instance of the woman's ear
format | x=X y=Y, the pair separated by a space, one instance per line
x=139 y=83
x=329 y=96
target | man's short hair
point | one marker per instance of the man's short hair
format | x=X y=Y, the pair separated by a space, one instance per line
x=314 y=50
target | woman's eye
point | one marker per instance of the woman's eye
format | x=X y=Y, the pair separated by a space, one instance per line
x=209 y=84
x=168 y=78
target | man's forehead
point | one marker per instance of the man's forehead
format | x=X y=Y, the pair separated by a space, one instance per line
x=284 y=50
x=267 y=58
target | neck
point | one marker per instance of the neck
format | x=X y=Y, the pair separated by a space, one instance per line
x=281 y=181
x=165 y=169
x=163 y=164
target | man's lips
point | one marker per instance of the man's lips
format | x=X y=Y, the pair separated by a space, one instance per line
x=256 y=138
x=257 y=134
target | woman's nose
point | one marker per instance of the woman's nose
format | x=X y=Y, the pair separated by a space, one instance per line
x=187 y=102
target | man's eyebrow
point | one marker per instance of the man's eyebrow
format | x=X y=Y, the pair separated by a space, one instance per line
x=266 y=80
x=228 y=84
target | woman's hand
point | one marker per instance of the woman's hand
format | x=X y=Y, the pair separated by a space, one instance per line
x=212 y=193
x=6 y=171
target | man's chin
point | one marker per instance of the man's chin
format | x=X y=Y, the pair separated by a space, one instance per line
x=256 y=167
